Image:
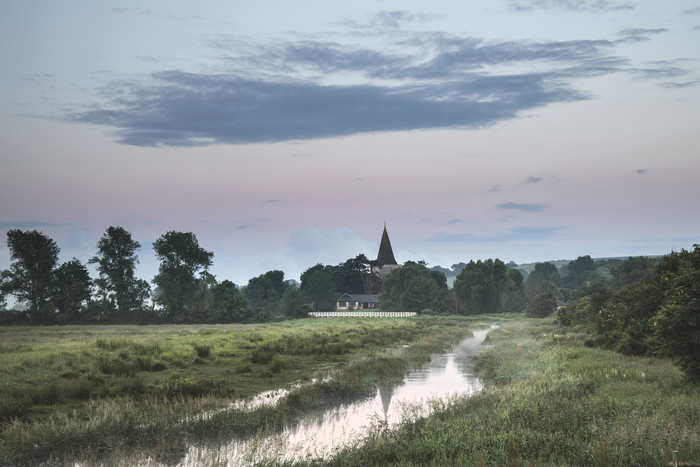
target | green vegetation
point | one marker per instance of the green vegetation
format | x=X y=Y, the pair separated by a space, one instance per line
x=550 y=400
x=77 y=392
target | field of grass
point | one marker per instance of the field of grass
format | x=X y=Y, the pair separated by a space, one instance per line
x=80 y=392
x=549 y=400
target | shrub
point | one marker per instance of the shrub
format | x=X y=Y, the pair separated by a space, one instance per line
x=203 y=350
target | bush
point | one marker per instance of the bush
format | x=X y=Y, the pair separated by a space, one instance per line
x=203 y=350
x=541 y=305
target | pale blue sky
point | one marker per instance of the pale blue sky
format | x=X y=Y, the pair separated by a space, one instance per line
x=286 y=133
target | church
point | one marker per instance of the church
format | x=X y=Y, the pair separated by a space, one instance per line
x=385 y=263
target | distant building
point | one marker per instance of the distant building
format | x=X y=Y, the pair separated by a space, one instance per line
x=385 y=258
x=349 y=301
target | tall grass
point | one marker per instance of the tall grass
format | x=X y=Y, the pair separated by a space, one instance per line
x=549 y=400
x=86 y=391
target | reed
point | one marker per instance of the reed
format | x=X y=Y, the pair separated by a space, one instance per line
x=549 y=400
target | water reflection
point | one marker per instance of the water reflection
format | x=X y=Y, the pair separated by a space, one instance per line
x=320 y=434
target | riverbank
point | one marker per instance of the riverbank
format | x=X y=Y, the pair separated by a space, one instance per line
x=80 y=393
x=549 y=400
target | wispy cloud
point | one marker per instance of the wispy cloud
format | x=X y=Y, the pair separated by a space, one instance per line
x=642 y=171
x=30 y=224
x=271 y=201
x=513 y=234
x=283 y=90
x=528 y=207
x=531 y=180
x=595 y=6
x=638 y=34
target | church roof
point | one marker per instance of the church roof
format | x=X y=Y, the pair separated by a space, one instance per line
x=385 y=255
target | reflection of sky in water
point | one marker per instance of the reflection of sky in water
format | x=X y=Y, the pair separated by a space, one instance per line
x=320 y=433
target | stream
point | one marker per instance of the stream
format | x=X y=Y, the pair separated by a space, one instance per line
x=320 y=434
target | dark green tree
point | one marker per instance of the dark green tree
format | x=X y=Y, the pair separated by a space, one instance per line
x=677 y=322
x=542 y=304
x=229 y=304
x=122 y=294
x=319 y=289
x=480 y=286
x=72 y=291
x=540 y=277
x=181 y=258
x=292 y=303
x=265 y=291
x=581 y=271
x=514 y=299
x=30 y=277
x=632 y=270
x=412 y=287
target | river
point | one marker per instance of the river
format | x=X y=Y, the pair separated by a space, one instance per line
x=320 y=434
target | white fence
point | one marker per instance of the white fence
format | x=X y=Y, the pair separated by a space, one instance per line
x=361 y=314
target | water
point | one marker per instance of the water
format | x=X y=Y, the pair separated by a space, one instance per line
x=320 y=434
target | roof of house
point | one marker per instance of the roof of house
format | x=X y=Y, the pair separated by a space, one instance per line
x=358 y=297
x=386 y=254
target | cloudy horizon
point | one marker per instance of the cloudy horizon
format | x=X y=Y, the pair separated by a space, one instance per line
x=286 y=135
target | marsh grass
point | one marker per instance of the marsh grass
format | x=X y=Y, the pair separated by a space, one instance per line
x=80 y=392
x=549 y=400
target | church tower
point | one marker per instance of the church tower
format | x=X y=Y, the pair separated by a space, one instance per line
x=385 y=258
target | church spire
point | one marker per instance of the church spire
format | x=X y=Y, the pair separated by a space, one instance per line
x=385 y=255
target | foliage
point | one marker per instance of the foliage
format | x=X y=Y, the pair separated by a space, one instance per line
x=658 y=313
x=541 y=305
x=541 y=277
x=581 y=271
x=31 y=275
x=71 y=291
x=319 y=289
x=549 y=400
x=181 y=258
x=412 y=287
x=677 y=322
x=265 y=291
x=121 y=292
x=489 y=287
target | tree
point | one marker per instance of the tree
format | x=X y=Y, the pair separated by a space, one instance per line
x=319 y=289
x=229 y=304
x=292 y=303
x=541 y=305
x=265 y=291
x=480 y=286
x=542 y=274
x=514 y=295
x=581 y=271
x=411 y=287
x=181 y=258
x=632 y=270
x=72 y=291
x=677 y=322
x=121 y=292
x=31 y=275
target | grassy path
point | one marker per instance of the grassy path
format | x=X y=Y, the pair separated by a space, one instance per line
x=550 y=400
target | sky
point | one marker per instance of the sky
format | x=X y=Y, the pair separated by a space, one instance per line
x=286 y=134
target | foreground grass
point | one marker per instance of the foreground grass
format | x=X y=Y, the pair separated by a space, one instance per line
x=550 y=400
x=73 y=393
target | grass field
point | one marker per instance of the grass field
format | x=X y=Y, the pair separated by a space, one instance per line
x=550 y=400
x=80 y=392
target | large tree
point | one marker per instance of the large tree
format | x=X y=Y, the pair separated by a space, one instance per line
x=31 y=275
x=72 y=291
x=480 y=286
x=121 y=292
x=319 y=289
x=265 y=291
x=412 y=287
x=181 y=258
